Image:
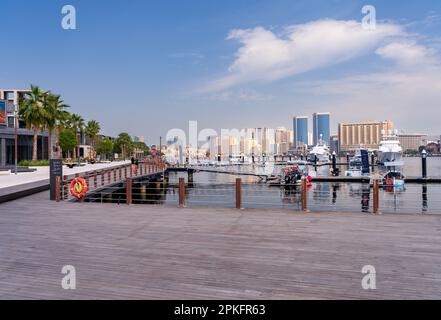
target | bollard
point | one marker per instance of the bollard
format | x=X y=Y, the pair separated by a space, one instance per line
x=95 y=179
x=57 y=188
x=108 y=177
x=334 y=164
x=238 y=193
x=129 y=191
x=424 y=163
x=304 y=194
x=102 y=178
x=120 y=173
x=114 y=175
x=181 y=193
x=376 y=194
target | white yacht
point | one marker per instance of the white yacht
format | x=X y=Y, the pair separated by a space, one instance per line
x=390 y=151
x=320 y=152
x=390 y=164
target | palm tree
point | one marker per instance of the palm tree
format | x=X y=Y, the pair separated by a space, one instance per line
x=32 y=113
x=125 y=144
x=91 y=130
x=55 y=116
x=76 y=122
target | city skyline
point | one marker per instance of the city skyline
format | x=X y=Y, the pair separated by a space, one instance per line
x=195 y=62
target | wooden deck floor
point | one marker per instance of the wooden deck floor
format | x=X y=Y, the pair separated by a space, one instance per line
x=152 y=252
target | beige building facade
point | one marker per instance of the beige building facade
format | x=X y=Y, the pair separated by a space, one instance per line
x=412 y=141
x=367 y=134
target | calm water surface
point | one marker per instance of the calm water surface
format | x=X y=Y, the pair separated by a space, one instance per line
x=213 y=189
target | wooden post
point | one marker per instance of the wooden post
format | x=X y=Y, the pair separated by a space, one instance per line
x=376 y=193
x=125 y=172
x=129 y=191
x=238 y=193
x=65 y=188
x=304 y=194
x=57 y=188
x=181 y=193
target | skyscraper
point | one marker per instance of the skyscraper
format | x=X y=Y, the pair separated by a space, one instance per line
x=300 y=128
x=321 y=126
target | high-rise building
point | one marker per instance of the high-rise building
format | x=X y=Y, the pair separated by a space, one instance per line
x=321 y=125
x=300 y=129
x=281 y=140
x=367 y=134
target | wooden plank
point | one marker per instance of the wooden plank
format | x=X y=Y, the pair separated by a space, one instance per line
x=164 y=252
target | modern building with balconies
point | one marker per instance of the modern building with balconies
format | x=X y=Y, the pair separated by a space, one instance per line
x=9 y=99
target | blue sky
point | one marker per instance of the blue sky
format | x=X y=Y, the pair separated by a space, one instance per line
x=148 y=66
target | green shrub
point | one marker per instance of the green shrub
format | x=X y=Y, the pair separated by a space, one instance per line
x=30 y=163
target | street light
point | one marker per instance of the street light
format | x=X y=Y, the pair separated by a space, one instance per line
x=16 y=137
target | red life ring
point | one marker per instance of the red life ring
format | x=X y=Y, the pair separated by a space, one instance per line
x=389 y=181
x=78 y=188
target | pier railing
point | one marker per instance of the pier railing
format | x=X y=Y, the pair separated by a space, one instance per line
x=299 y=197
x=236 y=196
x=107 y=177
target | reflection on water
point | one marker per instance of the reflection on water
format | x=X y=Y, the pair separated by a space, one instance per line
x=212 y=189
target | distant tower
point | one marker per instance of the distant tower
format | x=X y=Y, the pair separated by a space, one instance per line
x=300 y=131
x=321 y=126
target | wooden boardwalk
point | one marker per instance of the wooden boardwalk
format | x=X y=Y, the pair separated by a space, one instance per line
x=154 y=252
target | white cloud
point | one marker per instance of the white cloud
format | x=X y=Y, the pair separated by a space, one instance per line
x=239 y=95
x=409 y=54
x=266 y=56
x=409 y=93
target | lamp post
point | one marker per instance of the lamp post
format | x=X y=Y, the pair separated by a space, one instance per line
x=424 y=163
x=16 y=138
x=334 y=163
